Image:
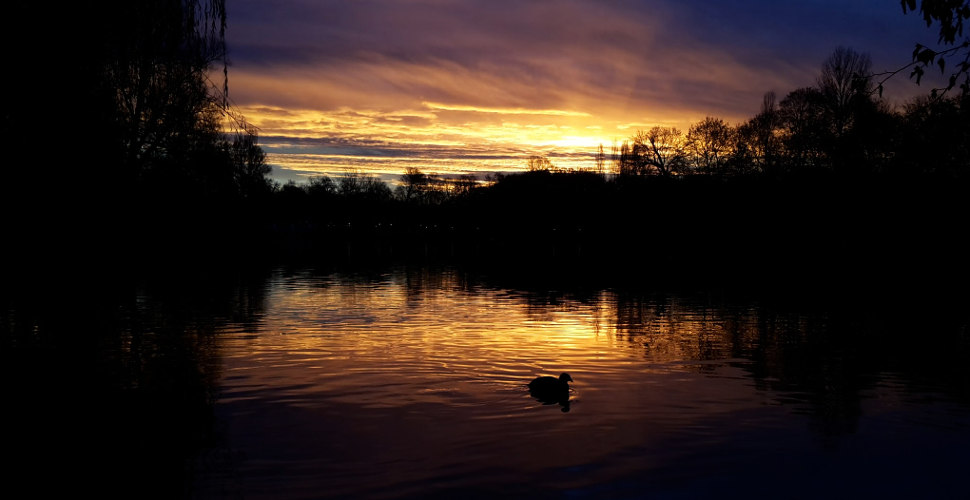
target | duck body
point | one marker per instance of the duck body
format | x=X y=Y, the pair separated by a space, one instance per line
x=551 y=389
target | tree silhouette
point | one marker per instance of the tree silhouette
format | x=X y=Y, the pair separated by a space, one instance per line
x=156 y=70
x=949 y=14
x=742 y=157
x=633 y=156
x=709 y=142
x=363 y=187
x=845 y=82
x=803 y=117
x=934 y=138
x=855 y=119
x=131 y=127
x=465 y=184
x=538 y=163
x=762 y=132
x=321 y=187
x=413 y=184
x=600 y=159
x=623 y=160
x=155 y=64
x=661 y=148
x=249 y=166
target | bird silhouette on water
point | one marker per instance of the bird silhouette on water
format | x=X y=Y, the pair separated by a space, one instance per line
x=552 y=390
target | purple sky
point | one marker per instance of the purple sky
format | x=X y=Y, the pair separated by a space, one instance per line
x=474 y=85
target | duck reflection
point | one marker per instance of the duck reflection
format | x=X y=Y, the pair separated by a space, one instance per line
x=552 y=390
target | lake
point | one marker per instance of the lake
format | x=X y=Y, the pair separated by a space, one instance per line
x=410 y=382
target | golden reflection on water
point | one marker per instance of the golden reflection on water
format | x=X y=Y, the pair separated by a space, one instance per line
x=396 y=384
x=433 y=337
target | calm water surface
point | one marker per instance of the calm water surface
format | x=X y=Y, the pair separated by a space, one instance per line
x=412 y=384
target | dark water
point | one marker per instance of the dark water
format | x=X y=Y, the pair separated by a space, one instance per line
x=411 y=383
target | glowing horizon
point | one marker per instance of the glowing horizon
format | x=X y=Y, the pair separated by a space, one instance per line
x=475 y=86
x=329 y=143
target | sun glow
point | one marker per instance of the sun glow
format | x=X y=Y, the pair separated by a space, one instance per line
x=440 y=138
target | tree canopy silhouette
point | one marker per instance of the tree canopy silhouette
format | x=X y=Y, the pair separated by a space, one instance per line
x=138 y=95
x=709 y=142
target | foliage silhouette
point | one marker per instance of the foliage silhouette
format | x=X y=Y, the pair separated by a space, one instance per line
x=949 y=16
x=154 y=150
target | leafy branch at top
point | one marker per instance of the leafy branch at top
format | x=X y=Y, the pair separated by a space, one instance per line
x=950 y=16
x=925 y=57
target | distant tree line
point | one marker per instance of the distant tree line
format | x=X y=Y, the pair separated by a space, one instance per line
x=829 y=179
x=838 y=127
x=839 y=124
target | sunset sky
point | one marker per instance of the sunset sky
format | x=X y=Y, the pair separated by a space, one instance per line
x=456 y=86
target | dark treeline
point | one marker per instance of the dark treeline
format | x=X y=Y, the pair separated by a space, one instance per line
x=141 y=153
x=828 y=177
x=804 y=223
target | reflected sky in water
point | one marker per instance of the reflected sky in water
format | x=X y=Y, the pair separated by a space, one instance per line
x=412 y=384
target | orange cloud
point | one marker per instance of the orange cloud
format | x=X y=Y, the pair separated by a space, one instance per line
x=516 y=78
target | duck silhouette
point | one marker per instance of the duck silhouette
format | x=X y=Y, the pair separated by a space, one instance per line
x=552 y=390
